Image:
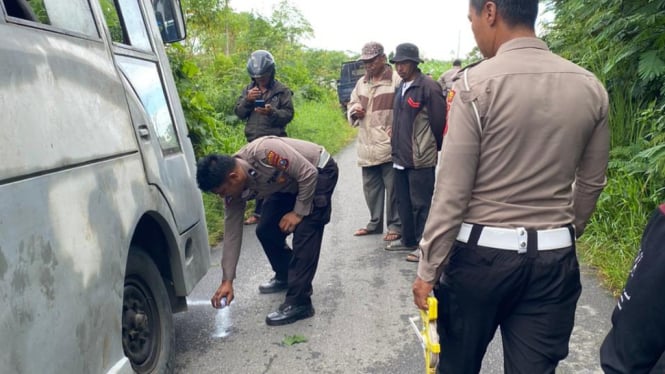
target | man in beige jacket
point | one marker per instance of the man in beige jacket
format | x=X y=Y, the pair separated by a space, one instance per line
x=524 y=157
x=371 y=110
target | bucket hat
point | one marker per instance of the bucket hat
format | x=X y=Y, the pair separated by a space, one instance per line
x=370 y=50
x=406 y=52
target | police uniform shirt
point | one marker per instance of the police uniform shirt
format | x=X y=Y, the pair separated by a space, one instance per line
x=544 y=126
x=272 y=164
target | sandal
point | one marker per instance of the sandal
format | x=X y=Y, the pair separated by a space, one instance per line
x=252 y=220
x=391 y=236
x=363 y=231
x=413 y=256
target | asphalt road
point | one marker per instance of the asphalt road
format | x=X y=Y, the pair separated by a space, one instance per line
x=362 y=297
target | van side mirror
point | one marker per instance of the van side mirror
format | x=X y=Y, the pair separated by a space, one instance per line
x=170 y=20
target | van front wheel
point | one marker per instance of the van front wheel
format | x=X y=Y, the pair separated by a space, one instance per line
x=147 y=322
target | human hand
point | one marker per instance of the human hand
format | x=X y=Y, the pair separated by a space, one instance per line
x=266 y=111
x=225 y=290
x=358 y=113
x=421 y=290
x=289 y=222
x=253 y=94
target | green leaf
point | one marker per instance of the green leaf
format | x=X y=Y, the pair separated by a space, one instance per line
x=651 y=66
x=294 y=339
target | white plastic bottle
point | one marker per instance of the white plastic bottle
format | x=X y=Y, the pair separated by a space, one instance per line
x=223 y=321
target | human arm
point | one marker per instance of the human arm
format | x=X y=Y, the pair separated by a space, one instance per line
x=437 y=108
x=590 y=177
x=279 y=109
x=233 y=227
x=245 y=102
x=355 y=109
x=453 y=189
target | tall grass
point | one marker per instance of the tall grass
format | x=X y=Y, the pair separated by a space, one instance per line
x=633 y=190
x=613 y=235
x=319 y=122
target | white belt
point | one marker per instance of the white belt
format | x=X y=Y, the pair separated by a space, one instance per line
x=516 y=239
x=323 y=158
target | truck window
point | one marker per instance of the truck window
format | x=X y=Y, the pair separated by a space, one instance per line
x=70 y=15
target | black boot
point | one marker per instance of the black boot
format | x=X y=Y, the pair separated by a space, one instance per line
x=273 y=285
x=289 y=313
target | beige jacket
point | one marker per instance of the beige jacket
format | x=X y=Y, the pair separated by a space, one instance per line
x=373 y=134
x=544 y=126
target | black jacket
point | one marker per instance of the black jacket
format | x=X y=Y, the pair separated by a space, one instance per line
x=279 y=97
x=418 y=122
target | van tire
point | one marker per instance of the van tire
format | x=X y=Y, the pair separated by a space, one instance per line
x=148 y=337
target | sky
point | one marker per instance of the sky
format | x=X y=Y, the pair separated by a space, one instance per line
x=440 y=28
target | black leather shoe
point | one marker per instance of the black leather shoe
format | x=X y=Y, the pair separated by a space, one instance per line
x=273 y=285
x=289 y=313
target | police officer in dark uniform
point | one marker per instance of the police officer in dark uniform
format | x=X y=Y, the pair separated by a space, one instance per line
x=297 y=179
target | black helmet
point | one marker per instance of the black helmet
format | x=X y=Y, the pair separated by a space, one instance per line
x=261 y=63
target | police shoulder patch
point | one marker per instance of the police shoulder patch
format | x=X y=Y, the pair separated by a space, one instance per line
x=274 y=159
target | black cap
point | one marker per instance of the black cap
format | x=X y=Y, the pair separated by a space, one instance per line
x=406 y=52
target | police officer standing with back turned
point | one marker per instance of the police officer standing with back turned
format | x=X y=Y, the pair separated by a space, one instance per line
x=297 y=179
x=522 y=176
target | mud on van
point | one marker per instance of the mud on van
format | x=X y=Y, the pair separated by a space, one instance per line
x=102 y=229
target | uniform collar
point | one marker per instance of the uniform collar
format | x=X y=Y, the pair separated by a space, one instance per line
x=522 y=43
x=250 y=186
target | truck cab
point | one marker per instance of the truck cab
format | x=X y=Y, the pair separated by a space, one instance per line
x=349 y=74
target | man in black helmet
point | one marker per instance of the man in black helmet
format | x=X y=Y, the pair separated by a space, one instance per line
x=265 y=104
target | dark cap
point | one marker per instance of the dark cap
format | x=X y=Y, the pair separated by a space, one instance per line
x=370 y=50
x=406 y=52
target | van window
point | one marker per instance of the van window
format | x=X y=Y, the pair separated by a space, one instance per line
x=131 y=14
x=145 y=79
x=71 y=15
x=134 y=32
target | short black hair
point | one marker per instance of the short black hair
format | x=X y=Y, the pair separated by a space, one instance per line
x=457 y=62
x=212 y=170
x=514 y=12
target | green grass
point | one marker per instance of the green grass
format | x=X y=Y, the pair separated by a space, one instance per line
x=319 y=122
x=613 y=235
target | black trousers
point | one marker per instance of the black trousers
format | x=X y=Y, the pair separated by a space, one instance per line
x=413 y=190
x=531 y=297
x=297 y=266
x=637 y=338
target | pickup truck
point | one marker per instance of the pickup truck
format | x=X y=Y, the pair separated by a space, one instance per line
x=350 y=72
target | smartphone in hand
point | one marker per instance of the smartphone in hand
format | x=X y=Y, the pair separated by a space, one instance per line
x=259 y=103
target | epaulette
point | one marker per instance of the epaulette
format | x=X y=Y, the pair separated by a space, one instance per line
x=460 y=72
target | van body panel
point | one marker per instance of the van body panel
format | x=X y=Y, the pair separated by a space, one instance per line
x=80 y=74
x=84 y=176
x=64 y=268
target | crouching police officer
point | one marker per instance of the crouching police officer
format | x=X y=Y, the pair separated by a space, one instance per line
x=297 y=179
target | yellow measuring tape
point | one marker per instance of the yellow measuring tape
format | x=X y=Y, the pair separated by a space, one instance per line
x=429 y=338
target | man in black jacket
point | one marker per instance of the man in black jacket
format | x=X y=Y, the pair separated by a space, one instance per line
x=418 y=121
x=265 y=104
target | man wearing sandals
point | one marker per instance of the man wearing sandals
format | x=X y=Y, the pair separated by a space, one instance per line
x=371 y=110
x=419 y=116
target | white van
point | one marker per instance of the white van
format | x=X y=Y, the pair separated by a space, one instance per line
x=102 y=229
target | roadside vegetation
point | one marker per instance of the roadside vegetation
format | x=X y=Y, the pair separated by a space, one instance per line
x=623 y=43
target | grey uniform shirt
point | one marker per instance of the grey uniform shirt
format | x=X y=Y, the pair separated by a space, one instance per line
x=272 y=164
x=544 y=130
